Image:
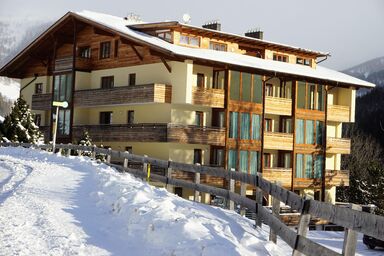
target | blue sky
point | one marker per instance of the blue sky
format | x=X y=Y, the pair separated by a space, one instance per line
x=351 y=30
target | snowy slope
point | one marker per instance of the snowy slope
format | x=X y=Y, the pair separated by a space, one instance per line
x=53 y=205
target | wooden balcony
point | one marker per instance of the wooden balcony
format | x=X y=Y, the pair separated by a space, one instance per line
x=196 y=135
x=338 y=146
x=284 y=175
x=278 y=106
x=338 y=113
x=66 y=64
x=150 y=93
x=42 y=101
x=123 y=132
x=278 y=140
x=153 y=133
x=208 y=97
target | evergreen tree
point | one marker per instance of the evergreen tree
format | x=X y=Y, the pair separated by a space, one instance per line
x=19 y=126
x=85 y=140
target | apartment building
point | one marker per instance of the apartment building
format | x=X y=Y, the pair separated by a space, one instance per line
x=193 y=94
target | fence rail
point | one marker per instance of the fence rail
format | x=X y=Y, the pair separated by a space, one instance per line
x=351 y=219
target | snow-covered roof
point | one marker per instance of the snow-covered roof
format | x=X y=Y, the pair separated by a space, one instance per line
x=121 y=25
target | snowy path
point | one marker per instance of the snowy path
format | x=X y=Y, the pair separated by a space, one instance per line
x=52 y=205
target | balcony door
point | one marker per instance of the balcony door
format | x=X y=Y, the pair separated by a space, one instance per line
x=62 y=91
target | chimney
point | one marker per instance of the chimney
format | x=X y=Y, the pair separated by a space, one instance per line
x=255 y=33
x=214 y=25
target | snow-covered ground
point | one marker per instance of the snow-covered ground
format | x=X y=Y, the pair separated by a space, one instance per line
x=53 y=205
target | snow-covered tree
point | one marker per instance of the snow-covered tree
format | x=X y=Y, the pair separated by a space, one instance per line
x=19 y=126
x=85 y=140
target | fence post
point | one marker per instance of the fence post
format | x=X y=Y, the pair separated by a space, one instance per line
x=61 y=149
x=125 y=164
x=302 y=228
x=231 y=189
x=93 y=155
x=69 y=150
x=350 y=237
x=197 y=181
x=243 y=190
x=276 y=213
x=168 y=186
x=259 y=204
x=109 y=155
x=145 y=167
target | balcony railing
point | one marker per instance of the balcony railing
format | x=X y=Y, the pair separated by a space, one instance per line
x=278 y=106
x=338 y=145
x=150 y=93
x=278 y=140
x=338 y=113
x=158 y=132
x=284 y=175
x=196 y=135
x=66 y=64
x=208 y=97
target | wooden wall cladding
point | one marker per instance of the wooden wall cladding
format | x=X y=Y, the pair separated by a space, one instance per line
x=278 y=106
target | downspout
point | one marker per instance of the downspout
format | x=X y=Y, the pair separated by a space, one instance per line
x=34 y=79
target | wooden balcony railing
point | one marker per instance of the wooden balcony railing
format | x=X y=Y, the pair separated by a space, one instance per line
x=123 y=132
x=338 y=145
x=42 y=101
x=208 y=97
x=278 y=140
x=338 y=113
x=66 y=64
x=284 y=175
x=196 y=135
x=147 y=132
x=150 y=93
x=278 y=106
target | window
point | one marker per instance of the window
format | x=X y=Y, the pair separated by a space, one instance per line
x=310 y=96
x=189 y=40
x=105 y=50
x=197 y=156
x=243 y=161
x=246 y=83
x=309 y=166
x=299 y=131
x=199 y=118
x=107 y=82
x=286 y=125
x=62 y=91
x=286 y=89
x=267 y=160
x=218 y=157
x=131 y=117
x=268 y=125
x=217 y=46
x=257 y=89
x=319 y=132
x=132 y=79
x=105 y=117
x=285 y=159
x=116 y=49
x=235 y=85
x=245 y=126
x=38 y=88
x=280 y=57
x=233 y=125
x=256 y=127
x=218 y=79
x=85 y=52
x=309 y=132
x=268 y=90
x=303 y=61
x=37 y=119
x=129 y=149
x=200 y=80
x=165 y=35
x=254 y=162
x=232 y=159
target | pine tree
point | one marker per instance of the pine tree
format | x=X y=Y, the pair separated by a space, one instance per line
x=19 y=126
x=85 y=140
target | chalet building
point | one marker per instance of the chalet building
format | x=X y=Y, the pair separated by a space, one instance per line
x=195 y=95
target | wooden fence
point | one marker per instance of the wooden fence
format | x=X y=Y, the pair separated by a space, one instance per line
x=354 y=221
